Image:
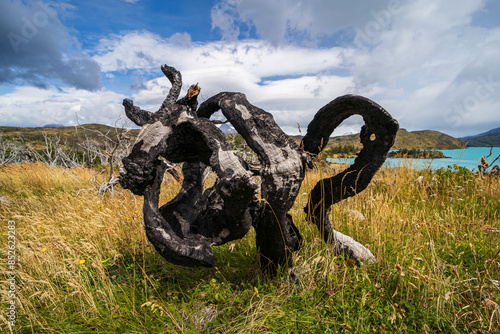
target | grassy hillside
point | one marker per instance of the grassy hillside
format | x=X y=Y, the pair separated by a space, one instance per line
x=420 y=140
x=86 y=266
x=69 y=135
x=427 y=139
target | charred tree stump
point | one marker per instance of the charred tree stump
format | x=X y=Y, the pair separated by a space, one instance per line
x=184 y=230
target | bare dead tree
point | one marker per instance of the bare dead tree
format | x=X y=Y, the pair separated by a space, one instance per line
x=51 y=148
x=56 y=151
x=91 y=151
x=116 y=145
x=7 y=152
x=14 y=152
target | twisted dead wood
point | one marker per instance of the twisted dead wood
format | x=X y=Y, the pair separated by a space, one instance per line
x=184 y=229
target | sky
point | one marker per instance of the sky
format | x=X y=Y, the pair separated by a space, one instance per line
x=432 y=64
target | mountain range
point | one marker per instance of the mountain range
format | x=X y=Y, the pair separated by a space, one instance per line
x=485 y=139
x=482 y=134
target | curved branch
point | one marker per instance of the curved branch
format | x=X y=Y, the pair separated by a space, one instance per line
x=175 y=79
x=377 y=136
x=137 y=115
x=164 y=235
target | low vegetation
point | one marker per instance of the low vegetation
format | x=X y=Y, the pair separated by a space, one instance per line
x=340 y=151
x=416 y=154
x=85 y=265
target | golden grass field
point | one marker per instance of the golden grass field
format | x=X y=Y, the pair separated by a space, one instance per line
x=84 y=264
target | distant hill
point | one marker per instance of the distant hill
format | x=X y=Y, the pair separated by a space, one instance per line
x=492 y=139
x=426 y=139
x=421 y=140
x=482 y=134
x=485 y=139
x=68 y=135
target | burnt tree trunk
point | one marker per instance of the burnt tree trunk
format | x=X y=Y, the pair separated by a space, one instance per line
x=184 y=229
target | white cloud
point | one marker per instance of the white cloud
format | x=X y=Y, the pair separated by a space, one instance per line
x=270 y=77
x=146 y=51
x=32 y=106
x=291 y=82
x=224 y=21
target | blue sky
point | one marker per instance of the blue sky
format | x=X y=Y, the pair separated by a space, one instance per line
x=431 y=64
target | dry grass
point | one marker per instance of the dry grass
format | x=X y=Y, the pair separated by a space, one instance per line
x=86 y=266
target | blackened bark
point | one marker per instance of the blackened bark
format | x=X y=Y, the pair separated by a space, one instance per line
x=282 y=171
x=137 y=115
x=165 y=231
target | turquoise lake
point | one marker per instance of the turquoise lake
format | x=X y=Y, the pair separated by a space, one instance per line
x=469 y=158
